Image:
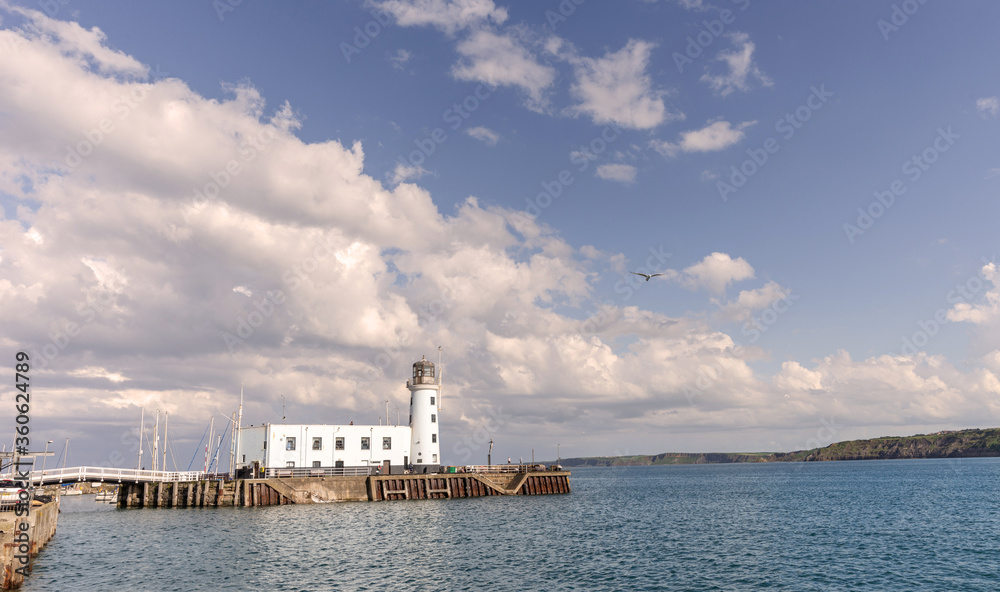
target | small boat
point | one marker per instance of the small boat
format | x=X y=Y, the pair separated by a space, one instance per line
x=107 y=496
x=72 y=491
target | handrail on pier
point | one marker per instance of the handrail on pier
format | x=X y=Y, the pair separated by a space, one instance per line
x=78 y=474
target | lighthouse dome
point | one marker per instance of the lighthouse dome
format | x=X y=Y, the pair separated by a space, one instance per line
x=423 y=372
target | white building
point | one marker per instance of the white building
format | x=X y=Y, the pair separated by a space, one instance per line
x=302 y=450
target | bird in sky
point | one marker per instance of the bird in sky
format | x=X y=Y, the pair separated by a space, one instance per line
x=648 y=276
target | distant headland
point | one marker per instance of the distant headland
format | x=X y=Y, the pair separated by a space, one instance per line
x=946 y=444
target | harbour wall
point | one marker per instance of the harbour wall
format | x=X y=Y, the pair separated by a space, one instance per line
x=446 y=486
x=41 y=528
x=312 y=490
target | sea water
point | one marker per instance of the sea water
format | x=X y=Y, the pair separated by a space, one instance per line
x=866 y=525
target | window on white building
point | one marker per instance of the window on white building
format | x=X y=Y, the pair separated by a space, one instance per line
x=289 y=443
x=316 y=464
x=432 y=400
x=365 y=443
x=340 y=443
x=290 y=464
x=434 y=418
x=434 y=458
x=386 y=443
x=317 y=443
x=434 y=438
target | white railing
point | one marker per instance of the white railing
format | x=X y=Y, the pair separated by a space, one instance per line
x=319 y=472
x=499 y=468
x=76 y=474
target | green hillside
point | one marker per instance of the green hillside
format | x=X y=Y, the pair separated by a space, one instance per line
x=959 y=444
x=955 y=444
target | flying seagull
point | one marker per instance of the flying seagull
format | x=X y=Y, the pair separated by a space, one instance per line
x=648 y=276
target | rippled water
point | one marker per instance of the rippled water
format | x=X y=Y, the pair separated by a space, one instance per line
x=875 y=525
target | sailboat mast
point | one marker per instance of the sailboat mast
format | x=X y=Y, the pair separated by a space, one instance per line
x=211 y=436
x=232 y=448
x=142 y=427
x=215 y=459
x=156 y=439
x=166 y=422
x=239 y=429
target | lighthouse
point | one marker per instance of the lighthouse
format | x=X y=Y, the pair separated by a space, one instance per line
x=425 y=452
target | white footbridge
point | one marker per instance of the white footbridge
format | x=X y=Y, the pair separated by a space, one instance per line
x=104 y=474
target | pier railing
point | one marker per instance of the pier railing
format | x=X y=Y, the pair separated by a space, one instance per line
x=320 y=472
x=77 y=474
x=519 y=468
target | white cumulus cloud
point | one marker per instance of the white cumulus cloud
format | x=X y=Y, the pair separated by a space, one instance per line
x=715 y=272
x=449 y=16
x=988 y=106
x=501 y=60
x=741 y=70
x=484 y=135
x=623 y=173
x=718 y=135
x=617 y=89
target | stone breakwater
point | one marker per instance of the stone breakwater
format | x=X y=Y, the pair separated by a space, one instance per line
x=20 y=547
x=311 y=490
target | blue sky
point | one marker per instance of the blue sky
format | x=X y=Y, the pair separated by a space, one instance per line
x=486 y=176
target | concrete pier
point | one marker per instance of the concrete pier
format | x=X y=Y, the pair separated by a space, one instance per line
x=445 y=486
x=312 y=490
x=41 y=528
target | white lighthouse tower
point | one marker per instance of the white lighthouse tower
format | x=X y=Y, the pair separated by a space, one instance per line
x=425 y=451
